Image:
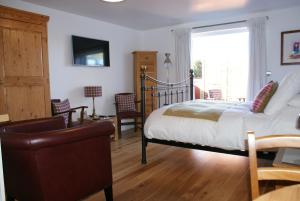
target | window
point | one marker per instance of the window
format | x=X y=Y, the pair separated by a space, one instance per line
x=220 y=60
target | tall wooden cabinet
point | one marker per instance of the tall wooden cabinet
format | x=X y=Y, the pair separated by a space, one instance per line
x=149 y=59
x=24 y=74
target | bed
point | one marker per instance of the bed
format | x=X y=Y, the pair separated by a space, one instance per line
x=229 y=132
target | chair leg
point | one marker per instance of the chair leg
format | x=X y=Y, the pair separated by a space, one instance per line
x=119 y=128
x=135 y=124
x=108 y=193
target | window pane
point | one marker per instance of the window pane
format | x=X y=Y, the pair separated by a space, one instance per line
x=220 y=60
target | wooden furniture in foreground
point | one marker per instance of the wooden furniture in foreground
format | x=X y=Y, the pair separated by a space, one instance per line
x=270 y=173
x=56 y=163
x=68 y=113
x=24 y=74
x=148 y=59
x=126 y=105
x=290 y=193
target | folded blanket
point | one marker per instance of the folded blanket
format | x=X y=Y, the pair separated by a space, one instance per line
x=207 y=110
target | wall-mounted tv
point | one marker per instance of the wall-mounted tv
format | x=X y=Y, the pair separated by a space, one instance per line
x=90 y=52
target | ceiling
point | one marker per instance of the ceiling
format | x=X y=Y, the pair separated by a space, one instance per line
x=149 y=14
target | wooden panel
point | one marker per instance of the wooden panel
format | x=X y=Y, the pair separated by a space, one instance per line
x=24 y=71
x=2 y=95
x=24 y=16
x=22 y=53
x=23 y=106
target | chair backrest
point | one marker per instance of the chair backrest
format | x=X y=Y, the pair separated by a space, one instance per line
x=125 y=102
x=270 y=173
x=52 y=106
x=61 y=106
x=215 y=94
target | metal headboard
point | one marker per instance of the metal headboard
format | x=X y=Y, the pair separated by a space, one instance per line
x=167 y=91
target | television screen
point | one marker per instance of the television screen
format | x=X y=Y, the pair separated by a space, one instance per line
x=90 y=52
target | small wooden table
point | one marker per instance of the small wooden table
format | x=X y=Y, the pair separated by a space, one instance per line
x=111 y=118
x=290 y=193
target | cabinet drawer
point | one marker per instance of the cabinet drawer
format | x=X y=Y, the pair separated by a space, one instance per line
x=147 y=58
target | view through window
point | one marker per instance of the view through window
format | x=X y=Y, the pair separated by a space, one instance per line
x=220 y=60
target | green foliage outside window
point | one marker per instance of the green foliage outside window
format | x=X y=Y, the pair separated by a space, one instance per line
x=198 y=70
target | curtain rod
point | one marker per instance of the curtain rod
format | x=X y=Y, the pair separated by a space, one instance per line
x=220 y=24
x=213 y=25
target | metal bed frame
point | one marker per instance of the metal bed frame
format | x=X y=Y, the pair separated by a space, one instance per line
x=174 y=93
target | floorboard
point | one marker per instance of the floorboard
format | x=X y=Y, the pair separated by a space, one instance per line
x=175 y=174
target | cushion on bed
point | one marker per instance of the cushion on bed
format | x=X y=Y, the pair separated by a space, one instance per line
x=287 y=89
x=263 y=97
x=295 y=101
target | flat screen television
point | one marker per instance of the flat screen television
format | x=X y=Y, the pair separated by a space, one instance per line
x=90 y=52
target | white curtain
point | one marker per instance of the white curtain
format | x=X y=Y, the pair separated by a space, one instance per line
x=258 y=56
x=182 y=53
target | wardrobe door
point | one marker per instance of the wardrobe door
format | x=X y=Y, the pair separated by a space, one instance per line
x=24 y=75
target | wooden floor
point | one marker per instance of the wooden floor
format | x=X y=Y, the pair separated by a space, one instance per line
x=175 y=174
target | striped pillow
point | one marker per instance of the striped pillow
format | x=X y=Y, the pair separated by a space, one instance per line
x=263 y=97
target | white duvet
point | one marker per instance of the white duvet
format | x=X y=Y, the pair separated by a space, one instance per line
x=229 y=132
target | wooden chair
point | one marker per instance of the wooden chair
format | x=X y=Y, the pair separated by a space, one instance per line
x=270 y=173
x=126 y=109
x=66 y=111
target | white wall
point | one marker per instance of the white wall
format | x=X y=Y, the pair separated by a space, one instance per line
x=66 y=80
x=162 y=39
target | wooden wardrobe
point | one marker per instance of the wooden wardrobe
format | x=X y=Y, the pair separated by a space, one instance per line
x=24 y=73
x=148 y=59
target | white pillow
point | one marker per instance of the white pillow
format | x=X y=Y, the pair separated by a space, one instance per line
x=287 y=89
x=295 y=101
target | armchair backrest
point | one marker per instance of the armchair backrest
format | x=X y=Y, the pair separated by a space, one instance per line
x=65 y=164
x=125 y=102
x=36 y=125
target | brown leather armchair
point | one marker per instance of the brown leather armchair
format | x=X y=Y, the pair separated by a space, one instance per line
x=44 y=161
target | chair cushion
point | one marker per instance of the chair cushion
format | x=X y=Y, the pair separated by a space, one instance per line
x=129 y=115
x=125 y=102
x=62 y=106
x=263 y=97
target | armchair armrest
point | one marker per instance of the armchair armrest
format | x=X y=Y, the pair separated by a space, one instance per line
x=67 y=111
x=38 y=140
x=80 y=107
